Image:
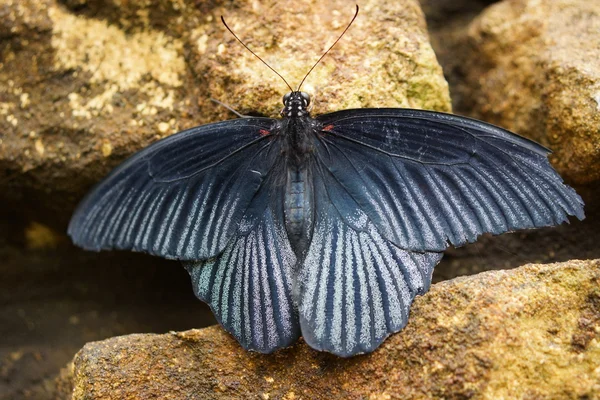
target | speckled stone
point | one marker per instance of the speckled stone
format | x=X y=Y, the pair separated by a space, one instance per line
x=532 y=66
x=532 y=332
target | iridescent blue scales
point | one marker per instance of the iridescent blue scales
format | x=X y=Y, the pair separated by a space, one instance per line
x=324 y=227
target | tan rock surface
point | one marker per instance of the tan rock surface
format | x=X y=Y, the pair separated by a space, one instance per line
x=87 y=83
x=532 y=66
x=532 y=332
x=448 y=24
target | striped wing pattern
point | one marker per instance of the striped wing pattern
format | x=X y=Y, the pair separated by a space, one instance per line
x=249 y=285
x=392 y=190
x=428 y=179
x=355 y=286
x=181 y=197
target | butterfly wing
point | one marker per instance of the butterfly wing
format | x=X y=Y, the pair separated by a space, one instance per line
x=182 y=197
x=355 y=287
x=427 y=179
x=392 y=189
x=249 y=285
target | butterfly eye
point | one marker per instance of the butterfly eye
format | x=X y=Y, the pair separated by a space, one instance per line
x=306 y=97
x=286 y=97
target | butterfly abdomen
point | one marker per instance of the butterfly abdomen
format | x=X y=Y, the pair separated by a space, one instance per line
x=298 y=208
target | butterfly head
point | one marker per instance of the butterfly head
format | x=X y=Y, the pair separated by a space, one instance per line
x=295 y=104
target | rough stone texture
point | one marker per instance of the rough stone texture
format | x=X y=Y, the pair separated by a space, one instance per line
x=532 y=332
x=448 y=24
x=532 y=66
x=88 y=82
x=54 y=300
x=446 y=12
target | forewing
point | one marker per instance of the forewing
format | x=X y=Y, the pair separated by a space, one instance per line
x=426 y=179
x=355 y=287
x=249 y=285
x=181 y=197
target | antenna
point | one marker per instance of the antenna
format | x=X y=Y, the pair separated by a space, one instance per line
x=254 y=54
x=278 y=74
x=331 y=47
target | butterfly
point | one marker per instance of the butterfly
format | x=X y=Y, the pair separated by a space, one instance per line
x=325 y=227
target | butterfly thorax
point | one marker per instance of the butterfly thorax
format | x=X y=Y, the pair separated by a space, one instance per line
x=298 y=142
x=298 y=127
x=295 y=104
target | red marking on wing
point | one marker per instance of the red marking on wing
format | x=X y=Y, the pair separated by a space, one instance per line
x=327 y=128
x=264 y=132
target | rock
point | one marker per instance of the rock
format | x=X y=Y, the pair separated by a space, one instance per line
x=532 y=332
x=89 y=82
x=54 y=299
x=532 y=67
x=448 y=23
x=449 y=28
x=444 y=12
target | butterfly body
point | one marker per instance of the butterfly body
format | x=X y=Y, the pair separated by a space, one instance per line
x=298 y=208
x=324 y=227
x=297 y=130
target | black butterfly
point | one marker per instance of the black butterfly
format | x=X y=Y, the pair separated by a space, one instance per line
x=324 y=227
